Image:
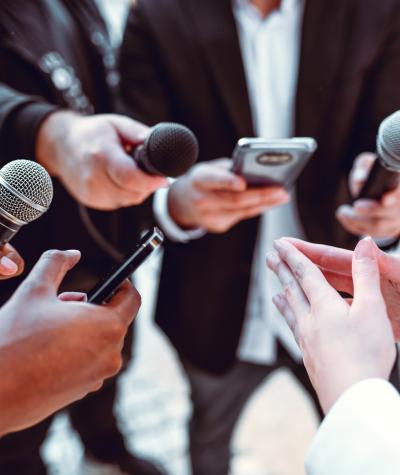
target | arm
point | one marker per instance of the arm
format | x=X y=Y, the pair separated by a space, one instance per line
x=360 y=435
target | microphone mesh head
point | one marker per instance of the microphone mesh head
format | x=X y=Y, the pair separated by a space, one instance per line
x=30 y=180
x=172 y=149
x=389 y=136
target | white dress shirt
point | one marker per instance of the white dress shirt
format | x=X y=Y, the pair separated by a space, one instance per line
x=270 y=50
x=361 y=433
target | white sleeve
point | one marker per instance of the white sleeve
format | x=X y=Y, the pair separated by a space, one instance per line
x=361 y=433
x=167 y=224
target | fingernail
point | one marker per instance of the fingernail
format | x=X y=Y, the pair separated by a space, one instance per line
x=237 y=184
x=73 y=252
x=365 y=250
x=345 y=210
x=272 y=260
x=8 y=265
x=360 y=174
x=365 y=204
x=278 y=245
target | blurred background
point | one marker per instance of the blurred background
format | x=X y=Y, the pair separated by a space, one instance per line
x=272 y=436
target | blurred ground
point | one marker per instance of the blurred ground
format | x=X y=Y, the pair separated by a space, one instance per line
x=271 y=438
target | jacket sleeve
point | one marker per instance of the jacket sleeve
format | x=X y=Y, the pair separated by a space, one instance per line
x=361 y=433
x=20 y=119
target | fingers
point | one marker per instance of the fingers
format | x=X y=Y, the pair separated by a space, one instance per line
x=370 y=218
x=282 y=304
x=310 y=278
x=360 y=171
x=255 y=197
x=216 y=176
x=130 y=131
x=126 y=303
x=123 y=171
x=50 y=271
x=326 y=257
x=72 y=297
x=294 y=294
x=11 y=263
x=366 y=277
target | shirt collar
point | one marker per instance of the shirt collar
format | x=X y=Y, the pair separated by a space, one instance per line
x=287 y=6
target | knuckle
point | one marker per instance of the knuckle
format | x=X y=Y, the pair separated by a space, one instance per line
x=116 y=330
x=114 y=364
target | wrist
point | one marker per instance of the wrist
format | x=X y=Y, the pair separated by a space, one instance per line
x=175 y=209
x=53 y=131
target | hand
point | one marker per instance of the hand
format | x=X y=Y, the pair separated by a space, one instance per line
x=343 y=342
x=11 y=263
x=370 y=217
x=336 y=265
x=89 y=156
x=210 y=196
x=54 y=351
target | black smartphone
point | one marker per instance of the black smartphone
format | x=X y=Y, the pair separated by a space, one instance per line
x=107 y=287
x=272 y=162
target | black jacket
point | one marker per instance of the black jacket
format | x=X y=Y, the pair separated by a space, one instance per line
x=181 y=61
x=45 y=74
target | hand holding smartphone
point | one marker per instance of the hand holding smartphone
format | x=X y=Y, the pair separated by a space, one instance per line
x=272 y=162
x=106 y=288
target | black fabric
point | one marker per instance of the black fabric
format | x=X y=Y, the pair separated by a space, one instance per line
x=181 y=61
x=40 y=39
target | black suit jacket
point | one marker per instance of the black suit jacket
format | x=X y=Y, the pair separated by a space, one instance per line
x=181 y=61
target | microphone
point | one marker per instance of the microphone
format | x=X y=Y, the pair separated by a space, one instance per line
x=26 y=192
x=170 y=150
x=385 y=173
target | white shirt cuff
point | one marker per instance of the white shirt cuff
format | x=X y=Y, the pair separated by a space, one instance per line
x=167 y=224
x=361 y=433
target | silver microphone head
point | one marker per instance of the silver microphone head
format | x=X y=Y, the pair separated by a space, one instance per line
x=26 y=191
x=389 y=141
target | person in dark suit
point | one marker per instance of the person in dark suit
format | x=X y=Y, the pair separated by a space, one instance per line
x=58 y=69
x=240 y=68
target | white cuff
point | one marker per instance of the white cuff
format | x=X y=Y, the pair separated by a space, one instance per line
x=167 y=224
x=361 y=433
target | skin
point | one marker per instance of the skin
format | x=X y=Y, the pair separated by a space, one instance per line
x=11 y=263
x=370 y=217
x=265 y=7
x=336 y=265
x=90 y=156
x=211 y=197
x=54 y=351
x=343 y=341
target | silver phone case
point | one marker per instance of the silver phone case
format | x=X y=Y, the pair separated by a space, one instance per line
x=272 y=162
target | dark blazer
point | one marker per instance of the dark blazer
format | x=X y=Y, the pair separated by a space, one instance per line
x=28 y=93
x=181 y=61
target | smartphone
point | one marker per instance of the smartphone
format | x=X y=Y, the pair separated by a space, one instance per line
x=272 y=162
x=107 y=287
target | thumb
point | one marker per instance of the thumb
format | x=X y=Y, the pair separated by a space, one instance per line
x=50 y=271
x=130 y=131
x=360 y=172
x=366 y=276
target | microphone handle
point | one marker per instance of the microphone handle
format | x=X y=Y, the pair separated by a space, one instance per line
x=380 y=181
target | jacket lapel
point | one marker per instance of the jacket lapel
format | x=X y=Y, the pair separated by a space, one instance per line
x=216 y=29
x=323 y=44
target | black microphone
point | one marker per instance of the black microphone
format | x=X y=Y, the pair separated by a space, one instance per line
x=385 y=173
x=170 y=150
x=26 y=192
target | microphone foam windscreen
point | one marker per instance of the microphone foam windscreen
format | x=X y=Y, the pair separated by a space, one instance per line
x=389 y=136
x=172 y=149
x=26 y=190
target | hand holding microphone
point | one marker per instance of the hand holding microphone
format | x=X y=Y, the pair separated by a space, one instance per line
x=93 y=157
x=374 y=181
